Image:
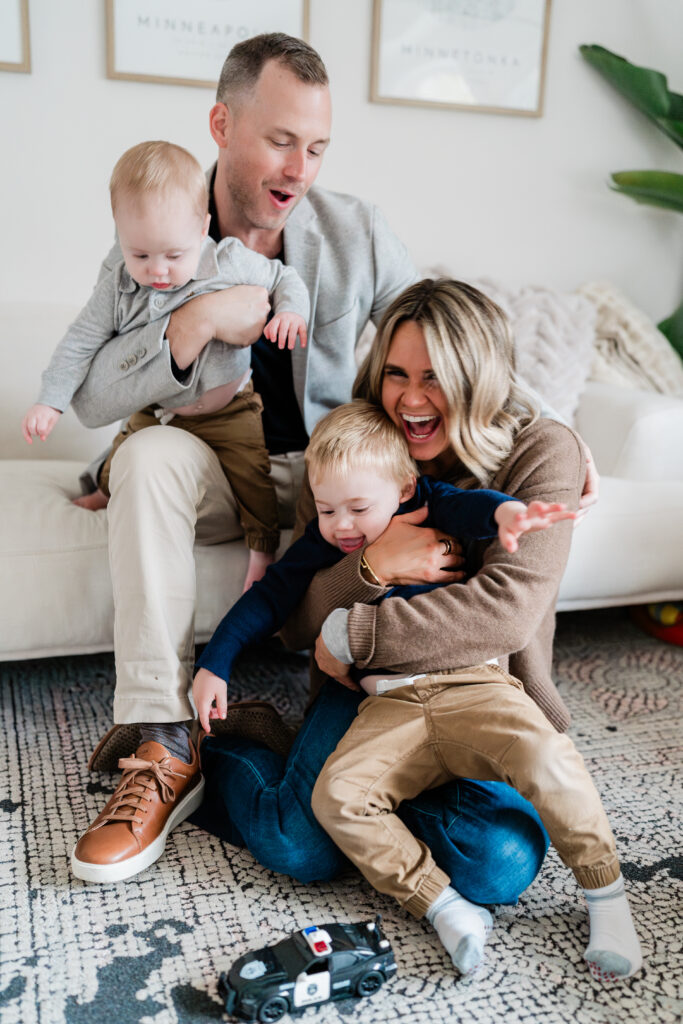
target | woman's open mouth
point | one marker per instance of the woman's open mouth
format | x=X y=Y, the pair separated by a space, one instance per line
x=420 y=428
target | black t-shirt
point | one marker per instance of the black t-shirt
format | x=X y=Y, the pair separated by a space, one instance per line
x=271 y=366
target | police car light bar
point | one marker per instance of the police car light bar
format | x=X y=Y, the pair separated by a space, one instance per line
x=318 y=940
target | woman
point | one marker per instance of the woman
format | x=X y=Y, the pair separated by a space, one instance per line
x=466 y=420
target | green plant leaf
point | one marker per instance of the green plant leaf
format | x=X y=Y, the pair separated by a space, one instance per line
x=656 y=188
x=672 y=328
x=646 y=89
x=674 y=129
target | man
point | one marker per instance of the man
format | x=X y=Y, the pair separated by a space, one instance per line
x=271 y=123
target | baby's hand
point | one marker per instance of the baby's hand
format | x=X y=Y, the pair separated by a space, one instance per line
x=515 y=518
x=39 y=421
x=283 y=329
x=206 y=689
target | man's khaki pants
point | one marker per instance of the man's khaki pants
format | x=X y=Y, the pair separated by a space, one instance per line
x=474 y=723
x=167 y=490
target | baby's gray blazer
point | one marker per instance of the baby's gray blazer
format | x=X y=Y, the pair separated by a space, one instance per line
x=353 y=267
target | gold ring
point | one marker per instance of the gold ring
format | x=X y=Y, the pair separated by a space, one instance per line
x=448 y=547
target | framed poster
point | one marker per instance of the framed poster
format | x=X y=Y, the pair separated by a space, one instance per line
x=482 y=55
x=183 y=43
x=15 y=47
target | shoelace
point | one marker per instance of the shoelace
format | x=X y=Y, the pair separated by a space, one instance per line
x=138 y=778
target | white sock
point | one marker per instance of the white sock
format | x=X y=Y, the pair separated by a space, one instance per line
x=613 y=948
x=463 y=928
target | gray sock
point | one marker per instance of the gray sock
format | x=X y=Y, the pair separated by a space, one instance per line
x=175 y=736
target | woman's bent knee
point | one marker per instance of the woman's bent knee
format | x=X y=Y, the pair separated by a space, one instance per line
x=509 y=860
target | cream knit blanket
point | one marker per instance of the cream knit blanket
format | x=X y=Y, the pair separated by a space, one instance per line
x=629 y=350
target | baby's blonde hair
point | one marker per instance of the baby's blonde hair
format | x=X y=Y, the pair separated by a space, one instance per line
x=156 y=168
x=358 y=435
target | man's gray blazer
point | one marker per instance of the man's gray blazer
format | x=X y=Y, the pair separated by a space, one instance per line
x=353 y=267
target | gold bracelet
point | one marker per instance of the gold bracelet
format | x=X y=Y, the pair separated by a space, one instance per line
x=366 y=567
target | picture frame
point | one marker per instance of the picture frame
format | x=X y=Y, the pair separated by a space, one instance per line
x=487 y=56
x=176 y=43
x=15 y=36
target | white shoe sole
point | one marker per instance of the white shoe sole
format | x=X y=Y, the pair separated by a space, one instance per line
x=134 y=865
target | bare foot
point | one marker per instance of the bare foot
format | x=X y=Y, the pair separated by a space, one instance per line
x=258 y=563
x=98 y=499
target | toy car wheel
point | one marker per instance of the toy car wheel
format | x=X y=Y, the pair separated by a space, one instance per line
x=273 y=1009
x=370 y=983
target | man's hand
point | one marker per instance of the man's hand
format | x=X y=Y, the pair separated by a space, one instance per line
x=408 y=553
x=331 y=666
x=283 y=329
x=514 y=518
x=206 y=689
x=235 y=316
x=39 y=422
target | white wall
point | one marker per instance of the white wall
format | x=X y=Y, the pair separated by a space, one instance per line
x=519 y=199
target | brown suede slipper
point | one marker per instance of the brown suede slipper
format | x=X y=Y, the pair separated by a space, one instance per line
x=258 y=721
x=120 y=741
x=250 y=719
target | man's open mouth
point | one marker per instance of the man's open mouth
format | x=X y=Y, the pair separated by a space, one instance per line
x=280 y=198
x=420 y=427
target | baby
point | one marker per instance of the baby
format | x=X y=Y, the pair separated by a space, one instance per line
x=416 y=733
x=159 y=201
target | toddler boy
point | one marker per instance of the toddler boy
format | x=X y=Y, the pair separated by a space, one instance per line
x=159 y=201
x=416 y=733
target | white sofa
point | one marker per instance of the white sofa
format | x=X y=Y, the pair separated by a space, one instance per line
x=56 y=593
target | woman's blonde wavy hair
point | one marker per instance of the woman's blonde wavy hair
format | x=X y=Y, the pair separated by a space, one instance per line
x=470 y=345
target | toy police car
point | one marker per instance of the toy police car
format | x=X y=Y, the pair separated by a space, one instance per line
x=312 y=966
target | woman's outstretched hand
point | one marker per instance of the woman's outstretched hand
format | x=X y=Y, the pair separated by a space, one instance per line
x=408 y=553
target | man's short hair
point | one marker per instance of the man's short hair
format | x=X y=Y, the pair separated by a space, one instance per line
x=158 y=168
x=355 y=436
x=246 y=61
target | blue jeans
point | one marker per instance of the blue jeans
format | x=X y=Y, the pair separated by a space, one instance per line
x=484 y=835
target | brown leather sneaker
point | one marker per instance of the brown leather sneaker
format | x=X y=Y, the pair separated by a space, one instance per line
x=156 y=793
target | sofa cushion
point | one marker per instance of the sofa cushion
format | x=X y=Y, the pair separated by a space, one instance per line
x=57 y=595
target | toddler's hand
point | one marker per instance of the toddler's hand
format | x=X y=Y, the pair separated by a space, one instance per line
x=515 y=518
x=39 y=421
x=283 y=329
x=206 y=689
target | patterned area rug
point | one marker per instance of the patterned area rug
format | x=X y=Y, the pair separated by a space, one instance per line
x=150 y=950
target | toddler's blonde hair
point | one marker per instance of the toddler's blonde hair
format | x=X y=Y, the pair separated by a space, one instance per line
x=358 y=435
x=156 y=168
